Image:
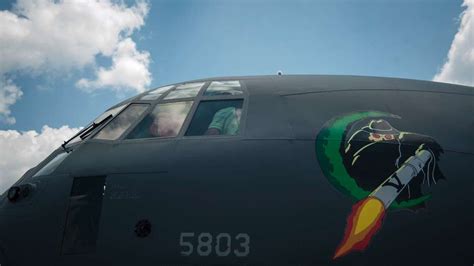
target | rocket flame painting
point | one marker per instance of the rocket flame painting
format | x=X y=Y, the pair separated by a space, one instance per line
x=377 y=165
x=363 y=222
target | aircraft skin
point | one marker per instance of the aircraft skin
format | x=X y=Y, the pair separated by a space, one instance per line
x=270 y=195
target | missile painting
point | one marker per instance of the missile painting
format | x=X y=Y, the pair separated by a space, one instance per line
x=366 y=216
x=379 y=166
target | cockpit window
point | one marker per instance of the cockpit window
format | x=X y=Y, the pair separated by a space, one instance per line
x=122 y=122
x=224 y=88
x=52 y=165
x=216 y=118
x=164 y=121
x=155 y=94
x=87 y=131
x=185 y=91
x=113 y=112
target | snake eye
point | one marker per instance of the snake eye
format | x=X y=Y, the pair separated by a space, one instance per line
x=388 y=137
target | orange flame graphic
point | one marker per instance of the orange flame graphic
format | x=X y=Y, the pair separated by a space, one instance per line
x=363 y=222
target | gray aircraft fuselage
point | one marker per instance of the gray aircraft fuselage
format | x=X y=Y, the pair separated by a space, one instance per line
x=281 y=191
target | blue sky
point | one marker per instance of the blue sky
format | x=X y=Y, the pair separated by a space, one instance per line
x=197 y=39
x=63 y=62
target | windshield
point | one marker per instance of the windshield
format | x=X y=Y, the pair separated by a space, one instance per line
x=101 y=119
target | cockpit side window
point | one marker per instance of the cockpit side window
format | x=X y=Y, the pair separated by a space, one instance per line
x=216 y=117
x=122 y=122
x=165 y=120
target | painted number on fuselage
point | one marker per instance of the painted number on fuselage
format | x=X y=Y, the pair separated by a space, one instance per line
x=220 y=244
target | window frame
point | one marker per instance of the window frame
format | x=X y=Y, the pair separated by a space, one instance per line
x=187 y=121
x=152 y=108
x=241 y=127
x=201 y=98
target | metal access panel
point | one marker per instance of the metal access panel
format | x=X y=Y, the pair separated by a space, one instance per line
x=83 y=215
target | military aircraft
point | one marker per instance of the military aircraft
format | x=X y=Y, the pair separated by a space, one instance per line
x=262 y=170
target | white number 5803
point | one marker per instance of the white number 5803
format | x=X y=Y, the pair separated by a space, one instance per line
x=220 y=244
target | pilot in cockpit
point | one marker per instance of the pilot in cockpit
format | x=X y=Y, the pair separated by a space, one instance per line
x=157 y=124
x=226 y=121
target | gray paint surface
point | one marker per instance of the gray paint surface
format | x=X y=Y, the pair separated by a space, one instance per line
x=265 y=182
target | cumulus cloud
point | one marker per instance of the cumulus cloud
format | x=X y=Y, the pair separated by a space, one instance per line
x=44 y=36
x=9 y=94
x=129 y=70
x=459 y=66
x=23 y=150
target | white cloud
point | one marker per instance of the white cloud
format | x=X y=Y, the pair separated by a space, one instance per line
x=129 y=70
x=23 y=150
x=68 y=33
x=459 y=67
x=9 y=94
x=44 y=36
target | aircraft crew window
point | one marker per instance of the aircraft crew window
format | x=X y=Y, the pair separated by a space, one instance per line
x=164 y=121
x=224 y=88
x=216 y=118
x=52 y=165
x=122 y=122
x=155 y=94
x=185 y=91
x=103 y=118
x=112 y=112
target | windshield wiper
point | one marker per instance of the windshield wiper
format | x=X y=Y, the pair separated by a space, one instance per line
x=84 y=133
